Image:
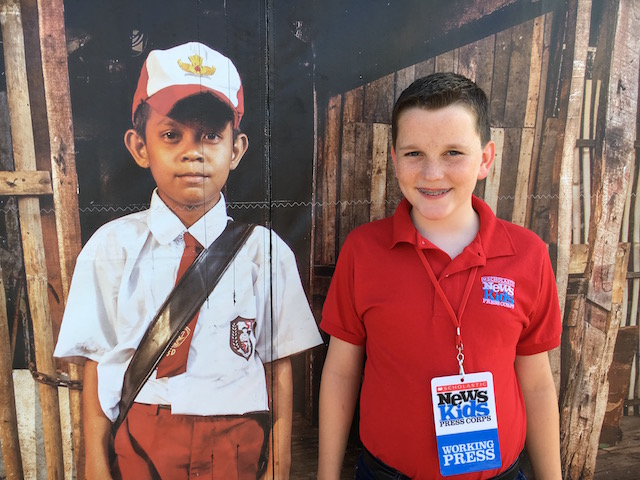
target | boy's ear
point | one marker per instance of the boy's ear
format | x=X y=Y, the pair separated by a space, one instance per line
x=488 y=154
x=240 y=145
x=137 y=147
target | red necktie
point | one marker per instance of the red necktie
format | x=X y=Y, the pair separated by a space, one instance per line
x=175 y=361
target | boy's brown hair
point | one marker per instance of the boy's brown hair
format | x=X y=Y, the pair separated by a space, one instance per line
x=440 y=90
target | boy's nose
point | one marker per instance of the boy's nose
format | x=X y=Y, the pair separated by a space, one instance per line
x=431 y=169
x=192 y=150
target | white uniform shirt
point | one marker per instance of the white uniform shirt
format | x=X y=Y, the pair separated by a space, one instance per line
x=128 y=268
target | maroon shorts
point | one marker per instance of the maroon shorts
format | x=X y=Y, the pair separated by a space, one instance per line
x=154 y=444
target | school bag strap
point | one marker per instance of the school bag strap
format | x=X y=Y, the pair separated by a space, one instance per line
x=178 y=309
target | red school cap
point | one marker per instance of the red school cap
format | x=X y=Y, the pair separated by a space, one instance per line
x=168 y=76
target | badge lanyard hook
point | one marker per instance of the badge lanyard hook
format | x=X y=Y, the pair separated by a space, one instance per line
x=463 y=303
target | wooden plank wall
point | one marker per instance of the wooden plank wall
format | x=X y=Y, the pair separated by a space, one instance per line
x=355 y=177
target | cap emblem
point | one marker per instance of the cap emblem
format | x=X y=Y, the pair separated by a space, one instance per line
x=195 y=67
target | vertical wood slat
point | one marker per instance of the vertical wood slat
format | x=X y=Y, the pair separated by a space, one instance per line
x=381 y=143
x=328 y=183
x=519 y=75
x=55 y=73
x=363 y=155
x=519 y=214
x=378 y=100
x=31 y=231
x=571 y=133
x=9 y=440
x=347 y=175
x=492 y=182
x=498 y=95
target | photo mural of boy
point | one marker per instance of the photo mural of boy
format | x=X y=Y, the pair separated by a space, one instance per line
x=207 y=407
x=448 y=310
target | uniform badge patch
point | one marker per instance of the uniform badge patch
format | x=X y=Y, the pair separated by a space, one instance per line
x=240 y=337
x=195 y=67
x=499 y=291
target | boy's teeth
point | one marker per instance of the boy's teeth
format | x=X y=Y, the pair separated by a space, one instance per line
x=433 y=192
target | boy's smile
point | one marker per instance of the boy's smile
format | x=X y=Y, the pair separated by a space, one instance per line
x=189 y=163
x=438 y=159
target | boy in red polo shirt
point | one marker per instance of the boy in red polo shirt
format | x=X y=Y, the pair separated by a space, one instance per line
x=449 y=310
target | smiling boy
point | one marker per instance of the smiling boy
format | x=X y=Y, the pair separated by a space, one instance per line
x=406 y=292
x=208 y=414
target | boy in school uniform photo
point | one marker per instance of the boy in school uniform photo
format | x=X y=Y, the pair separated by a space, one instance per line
x=207 y=407
x=441 y=316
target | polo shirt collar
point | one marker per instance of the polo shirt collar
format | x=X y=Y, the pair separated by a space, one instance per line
x=493 y=239
x=166 y=227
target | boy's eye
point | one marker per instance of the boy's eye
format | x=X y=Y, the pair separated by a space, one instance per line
x=412 y=154
x=454 y=153
x=211 y=137
x=170 y=135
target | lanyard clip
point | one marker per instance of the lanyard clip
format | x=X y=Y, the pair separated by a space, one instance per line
x=460 y=358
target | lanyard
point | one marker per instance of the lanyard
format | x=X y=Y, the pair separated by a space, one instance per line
x=463 y=303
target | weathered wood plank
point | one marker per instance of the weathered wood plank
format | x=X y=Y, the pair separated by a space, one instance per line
x=328 y=196
x=535 y=72
x=25 y=183
x=9 y=440
x=475 y=61
x=543 y=192
x=425 y=68
x=447 y=62
x=540 y=125
x=362 y=174
x=378 y=100
x=588 y=358
x=352 y=110
x=393 y=195
x=404 y=78
x=31 y=230
x=509 y=172
x=618 y=377
x=571 y=134
x=518 y=75
x=498 y=96
x=347 y=175
x=381 y=152
x=521 y=197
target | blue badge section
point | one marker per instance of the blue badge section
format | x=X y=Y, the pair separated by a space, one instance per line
x=469 y=452
x=466 y=424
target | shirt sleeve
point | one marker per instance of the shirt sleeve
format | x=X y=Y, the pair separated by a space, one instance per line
x=545 y=321
x=340 y=317
x=290 y=326
x=86 y=330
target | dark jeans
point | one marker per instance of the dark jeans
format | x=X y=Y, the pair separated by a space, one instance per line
x=364 y=473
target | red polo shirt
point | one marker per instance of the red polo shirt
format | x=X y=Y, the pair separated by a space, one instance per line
x=381 y=297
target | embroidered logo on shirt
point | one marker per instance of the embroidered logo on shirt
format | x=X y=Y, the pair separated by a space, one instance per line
x=499 y=291
x=240 y=337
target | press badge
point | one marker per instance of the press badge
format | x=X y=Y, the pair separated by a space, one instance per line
x=466 y=424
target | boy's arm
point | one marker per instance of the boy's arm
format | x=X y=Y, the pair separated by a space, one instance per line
x=280 y=388
x=339 y=388
x=541 y=402
x=97 y=427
